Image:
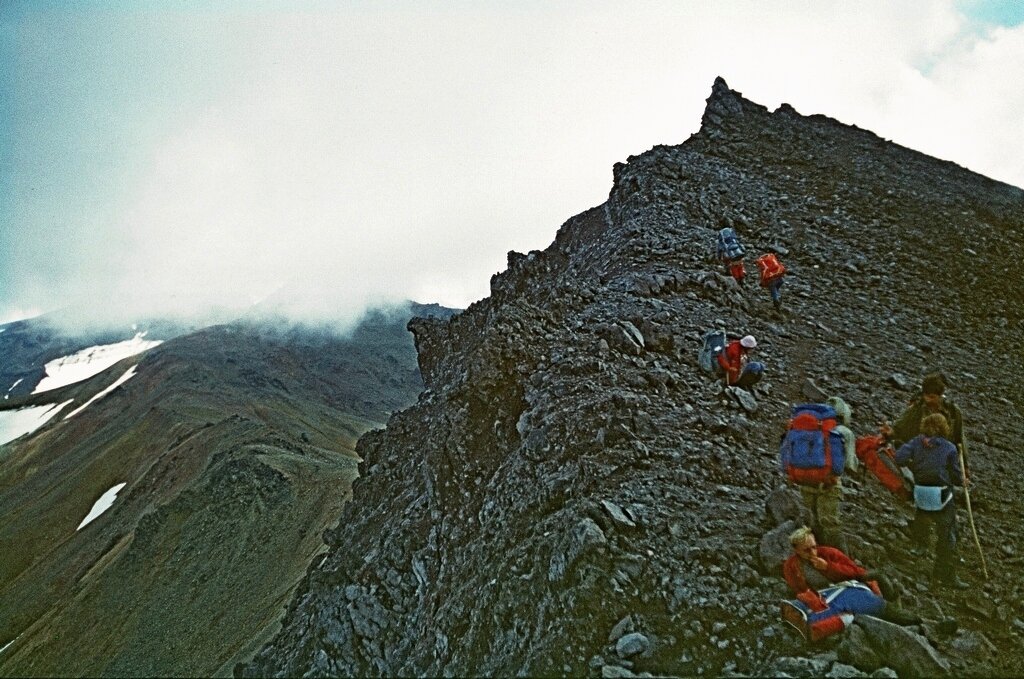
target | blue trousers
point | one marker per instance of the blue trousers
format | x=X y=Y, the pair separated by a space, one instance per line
x=750 y=376
x=775 y=288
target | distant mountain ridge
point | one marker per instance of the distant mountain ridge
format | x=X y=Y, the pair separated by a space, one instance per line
x=236 y=447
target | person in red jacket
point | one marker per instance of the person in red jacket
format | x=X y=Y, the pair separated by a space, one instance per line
x=812 y=567
x=735 y=362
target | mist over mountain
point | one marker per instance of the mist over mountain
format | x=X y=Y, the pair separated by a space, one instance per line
x=572 y=495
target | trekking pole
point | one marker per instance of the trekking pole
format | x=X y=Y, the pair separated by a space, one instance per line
x=970 y=514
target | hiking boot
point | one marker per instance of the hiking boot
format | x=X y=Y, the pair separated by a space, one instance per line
x=777 y=304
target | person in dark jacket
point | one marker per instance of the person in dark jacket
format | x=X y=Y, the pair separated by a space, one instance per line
x=930 y=401
x=935 y=463
x=735 y=361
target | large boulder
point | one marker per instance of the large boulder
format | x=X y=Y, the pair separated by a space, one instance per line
x=784 y=504
x=908 y=653
x=774 y=548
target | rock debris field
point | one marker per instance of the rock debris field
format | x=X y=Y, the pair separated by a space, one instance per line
x=572 y=495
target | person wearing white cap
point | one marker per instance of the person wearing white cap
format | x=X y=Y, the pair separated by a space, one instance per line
x=740 y=371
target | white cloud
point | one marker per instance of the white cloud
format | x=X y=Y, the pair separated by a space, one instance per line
x=371 y=155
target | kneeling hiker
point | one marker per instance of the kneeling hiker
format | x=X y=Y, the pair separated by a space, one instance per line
x=830 y=588
x=818 y=448
x=740 y=371
x=936 y=468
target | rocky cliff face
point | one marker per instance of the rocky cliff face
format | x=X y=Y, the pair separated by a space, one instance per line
x=572 y=495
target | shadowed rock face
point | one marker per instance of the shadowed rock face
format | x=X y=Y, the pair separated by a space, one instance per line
x=562 y=476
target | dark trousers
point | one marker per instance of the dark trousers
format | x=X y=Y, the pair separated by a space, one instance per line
x=944 y=521
x=750 y=376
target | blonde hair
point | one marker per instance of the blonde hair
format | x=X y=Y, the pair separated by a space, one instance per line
x=935 y=425
x=798 y=536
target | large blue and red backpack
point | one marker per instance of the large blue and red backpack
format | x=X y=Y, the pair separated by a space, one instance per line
x=844 y=597
x=812 y=451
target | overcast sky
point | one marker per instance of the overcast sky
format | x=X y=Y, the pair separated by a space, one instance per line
x=174 y=157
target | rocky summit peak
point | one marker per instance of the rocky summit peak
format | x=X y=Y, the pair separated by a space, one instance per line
x=573 y=495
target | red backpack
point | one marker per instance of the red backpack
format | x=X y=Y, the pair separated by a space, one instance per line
x=770 y=268
x=879 y=461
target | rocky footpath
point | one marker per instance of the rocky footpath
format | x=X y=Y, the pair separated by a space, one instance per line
x=571 y=495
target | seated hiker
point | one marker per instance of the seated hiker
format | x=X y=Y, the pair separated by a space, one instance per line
x=772 y=274
x=812 y=568
x=822 y=498
x=930 y=400
x=735 y=361
x=936 y=467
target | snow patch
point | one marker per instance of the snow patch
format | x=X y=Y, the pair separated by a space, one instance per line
x=8 y=644
x=102 y=505
x=16 y=383
x=118 y=382
x=15 y=423
x=82 y=365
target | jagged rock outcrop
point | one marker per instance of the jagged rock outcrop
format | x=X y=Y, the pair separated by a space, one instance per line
x=569 y=467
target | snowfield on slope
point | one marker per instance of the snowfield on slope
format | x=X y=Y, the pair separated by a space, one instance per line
x=120 y=380
x=83 y=364
x=16 y=423
x=103 y=504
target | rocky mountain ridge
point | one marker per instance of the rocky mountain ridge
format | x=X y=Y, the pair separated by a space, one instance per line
x=571 y=495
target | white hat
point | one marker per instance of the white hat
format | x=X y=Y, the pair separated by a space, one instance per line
x=749 y=342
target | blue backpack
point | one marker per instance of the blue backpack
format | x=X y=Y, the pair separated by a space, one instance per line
x=714 y=344
x=812 y=452
x=729 y=246
x=844 y=597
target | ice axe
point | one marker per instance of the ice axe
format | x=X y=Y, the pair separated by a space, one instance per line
x=970 y=514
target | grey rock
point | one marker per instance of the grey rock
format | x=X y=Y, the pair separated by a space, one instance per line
x=899 y=381
x=784 y=504
x=884 y=673
x=774 y=548
x=813 y=392
x=583 y=537
x=841 y=671
x=797 y=667
x=632 y=644
x=744 y=398
x=908 y=653
x=617 y=514
x=621 y=628
x=615 y=671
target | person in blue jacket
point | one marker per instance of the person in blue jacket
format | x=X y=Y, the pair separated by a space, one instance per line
x=935 y=463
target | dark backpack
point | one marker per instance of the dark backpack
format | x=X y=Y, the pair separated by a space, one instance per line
x=812 y=452
x=714 y=344
x=729 y=246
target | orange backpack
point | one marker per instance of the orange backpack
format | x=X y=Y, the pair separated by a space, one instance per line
x=770 y=268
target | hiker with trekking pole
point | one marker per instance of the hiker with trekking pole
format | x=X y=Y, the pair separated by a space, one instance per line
x=931 y=401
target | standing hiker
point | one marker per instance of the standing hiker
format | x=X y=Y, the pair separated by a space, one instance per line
x=816 y=451
x=731 y=253
x=740 y=371
x=772 y=273
x=931 y=400
x=934 y=461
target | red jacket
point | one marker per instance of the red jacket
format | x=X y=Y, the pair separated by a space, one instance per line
x=732 y=360
x=840 y=567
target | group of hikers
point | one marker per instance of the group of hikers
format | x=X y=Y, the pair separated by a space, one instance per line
x=819 y=447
